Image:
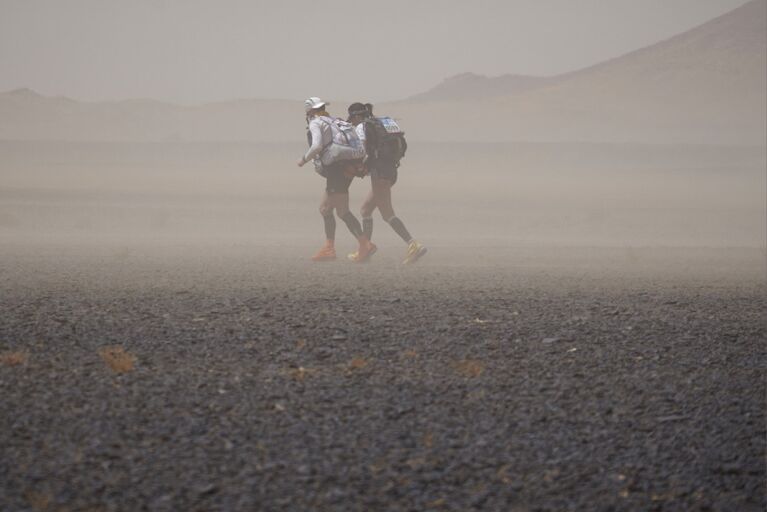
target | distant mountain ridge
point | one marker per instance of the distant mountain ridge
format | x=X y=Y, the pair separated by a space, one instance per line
x=471 y=85
x=27 y=115
x=706 y=85
x=746 y=24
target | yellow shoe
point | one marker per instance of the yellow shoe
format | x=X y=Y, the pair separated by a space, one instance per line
x=414 y=252
x=326 y=253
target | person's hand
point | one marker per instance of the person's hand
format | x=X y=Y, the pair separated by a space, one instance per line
x=301 y=162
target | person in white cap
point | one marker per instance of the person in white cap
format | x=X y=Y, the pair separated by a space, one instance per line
x=339 y=176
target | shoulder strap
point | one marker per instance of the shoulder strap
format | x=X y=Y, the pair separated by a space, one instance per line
x=337 y=122
x=372 y=137
x=323 y=120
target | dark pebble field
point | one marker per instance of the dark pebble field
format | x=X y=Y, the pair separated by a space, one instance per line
x=249 y=379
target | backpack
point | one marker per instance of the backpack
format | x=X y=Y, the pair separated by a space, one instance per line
x=344 y=145
x=387 y=141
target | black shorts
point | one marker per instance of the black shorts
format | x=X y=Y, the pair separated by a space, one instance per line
x=384 y=170
x=337 y=181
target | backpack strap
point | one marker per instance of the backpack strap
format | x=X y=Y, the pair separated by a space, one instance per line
x=326 y=146
x=342 y=132
x=371 y=137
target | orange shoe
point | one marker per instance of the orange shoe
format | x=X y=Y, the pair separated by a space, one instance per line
x=365 y=251
x=326 y=253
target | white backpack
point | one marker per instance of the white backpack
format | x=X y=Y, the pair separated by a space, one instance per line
x=345 y=143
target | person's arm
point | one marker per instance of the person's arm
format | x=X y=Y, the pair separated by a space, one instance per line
x=315 y=128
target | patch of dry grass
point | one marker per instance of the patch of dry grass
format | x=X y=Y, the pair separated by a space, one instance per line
x=357 y=363
x=438 y=503
x=117 y=359
x=469 y=368
x=13 y=358
x=38 y=500
x=300 y=373
x=416 y=462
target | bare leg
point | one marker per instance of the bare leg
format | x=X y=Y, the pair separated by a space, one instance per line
x=326 y=210
x=382 y=191
x=327 y=252
x=341 y=204
x=382 y=194
x=366 y=211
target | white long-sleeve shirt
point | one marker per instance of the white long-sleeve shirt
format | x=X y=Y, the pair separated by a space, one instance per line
x=322 y=135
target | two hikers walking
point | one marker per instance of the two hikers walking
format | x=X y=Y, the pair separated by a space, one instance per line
x=342 y=150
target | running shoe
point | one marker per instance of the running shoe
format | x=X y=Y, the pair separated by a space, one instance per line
x=326 y=253
x=364 y=253
x=414 y=252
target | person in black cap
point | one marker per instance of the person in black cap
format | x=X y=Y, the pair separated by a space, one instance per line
x=383 y=175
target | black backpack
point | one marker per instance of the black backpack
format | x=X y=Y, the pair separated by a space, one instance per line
x=384 y=139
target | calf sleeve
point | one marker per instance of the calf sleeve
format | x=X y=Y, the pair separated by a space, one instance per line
x=367 y=227
x=400 y=229
x=330 y=226
x=353 y=224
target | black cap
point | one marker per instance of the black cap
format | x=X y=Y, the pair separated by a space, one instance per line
x=357 y=109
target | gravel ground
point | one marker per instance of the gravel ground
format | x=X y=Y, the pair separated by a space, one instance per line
x=187 y=379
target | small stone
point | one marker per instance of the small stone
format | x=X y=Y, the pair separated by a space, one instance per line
x=731 y=468
x=673 y=417
x=208 y=488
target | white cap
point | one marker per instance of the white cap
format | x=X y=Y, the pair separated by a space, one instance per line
x=314 y=103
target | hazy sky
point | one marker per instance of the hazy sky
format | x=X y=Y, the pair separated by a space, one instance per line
x=192 y=51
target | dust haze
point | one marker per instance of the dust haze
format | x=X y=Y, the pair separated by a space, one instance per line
x=662 y=147
x=465 y=195
x=585 y=332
